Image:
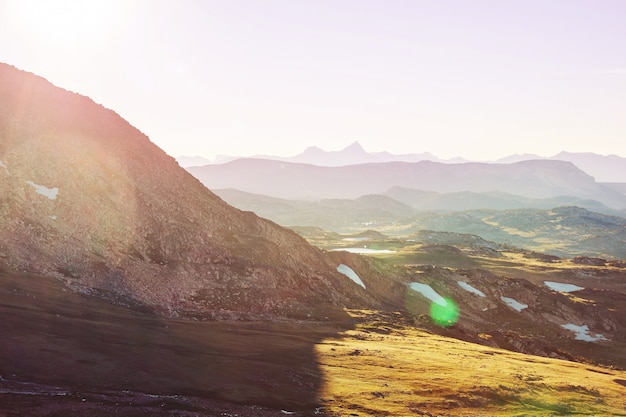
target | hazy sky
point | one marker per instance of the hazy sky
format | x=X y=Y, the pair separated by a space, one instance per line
x=480 y=79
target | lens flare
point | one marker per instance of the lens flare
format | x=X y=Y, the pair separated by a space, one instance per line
x=445 y=314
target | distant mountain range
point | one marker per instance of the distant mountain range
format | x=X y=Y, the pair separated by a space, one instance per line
x=609 y=168
x=535 y=179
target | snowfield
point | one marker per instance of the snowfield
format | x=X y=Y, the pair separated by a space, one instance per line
x=471 y=289
x=51 y=193
x=349 y=272
x=562 y=287
x=428 y=292
x=514 y=304
x=582 y=333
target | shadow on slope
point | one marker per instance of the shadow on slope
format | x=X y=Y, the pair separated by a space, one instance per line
x=74 y=354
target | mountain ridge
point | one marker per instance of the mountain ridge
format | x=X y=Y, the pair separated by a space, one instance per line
x=530 y=179
x=89 y=199
x=605 y=168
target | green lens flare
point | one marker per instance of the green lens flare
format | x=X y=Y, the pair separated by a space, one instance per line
x=445 y=315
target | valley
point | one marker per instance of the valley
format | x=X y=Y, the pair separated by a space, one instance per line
x=479 y=275
x=562 y=230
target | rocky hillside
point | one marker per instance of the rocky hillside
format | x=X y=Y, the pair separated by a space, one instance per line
x=87 y=198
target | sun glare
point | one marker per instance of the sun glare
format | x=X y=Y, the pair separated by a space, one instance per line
x=67 y=24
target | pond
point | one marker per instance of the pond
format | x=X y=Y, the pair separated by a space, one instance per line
x=365 y=250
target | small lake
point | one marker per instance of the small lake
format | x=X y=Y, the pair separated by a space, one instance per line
x=365 y=250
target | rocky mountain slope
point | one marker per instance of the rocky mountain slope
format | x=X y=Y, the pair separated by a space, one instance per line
x=87 y=198
x=530 y=179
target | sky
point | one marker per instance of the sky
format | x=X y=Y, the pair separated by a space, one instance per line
x=479 y=79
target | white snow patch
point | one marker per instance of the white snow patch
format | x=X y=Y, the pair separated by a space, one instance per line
x=469 y=288
x=561 y=287
x=6 y=169
x=365 y=250
x=51 y=193
x=53 y=217
x=514 y=304
x=428 y=292
x=347 y=271
x=355 y=239
x=582 y=333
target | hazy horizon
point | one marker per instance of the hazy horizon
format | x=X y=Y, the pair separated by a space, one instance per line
x=425 y=151
x=480 y=80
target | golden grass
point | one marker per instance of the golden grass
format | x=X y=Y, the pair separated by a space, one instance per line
x=509 y=230
x=378 y=370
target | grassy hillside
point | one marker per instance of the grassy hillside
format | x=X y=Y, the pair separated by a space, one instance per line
x=384 y=368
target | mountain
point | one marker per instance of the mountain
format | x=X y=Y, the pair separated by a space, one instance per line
x=87 y=198
x=128 y=288
x=351 y=155
x=536 y=179
x=604 y=168
x=329 y=214
x=191 y=161
x=466 y=200
x=609 y=168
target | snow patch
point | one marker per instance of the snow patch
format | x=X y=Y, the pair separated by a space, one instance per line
x=349 y=272
x=428 y=292
x=53 y=217
x=561 y=287
x=582 y=333
x=514 y=304
x=51 y=193
x=5 y=167
x=355 y=239
x=469 y=288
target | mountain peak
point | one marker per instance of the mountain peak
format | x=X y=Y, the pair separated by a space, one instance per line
x=354 y=148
